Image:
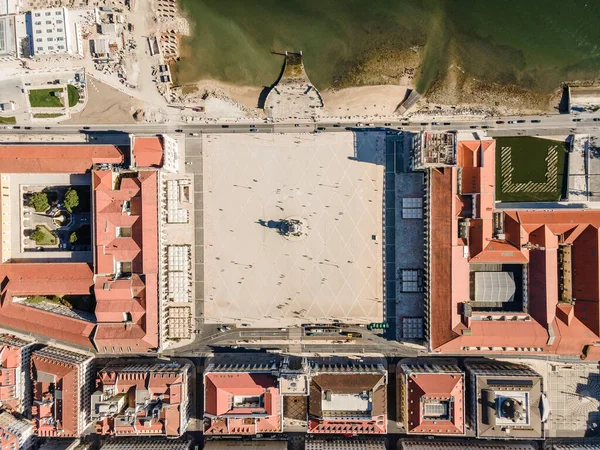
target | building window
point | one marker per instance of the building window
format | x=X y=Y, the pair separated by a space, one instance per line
x=39 y=49
x=61 y=47
x=59 y=21
x=50 y=47
x=48 y=13
x=39 y=40
x=38 y=31
x=58 y=13
x=37 y=14
x=48 y=30
x=38 y=23
x=50 y=39
x=59 y=30
x=48 y=22
x=60 y=38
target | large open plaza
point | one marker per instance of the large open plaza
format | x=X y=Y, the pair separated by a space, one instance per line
x=293 y=228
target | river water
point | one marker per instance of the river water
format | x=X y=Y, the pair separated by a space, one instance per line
x=532 y=43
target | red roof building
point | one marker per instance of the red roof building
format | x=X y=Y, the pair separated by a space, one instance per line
x=14 y=374
x=56 y=158
x=126 y=266
x=125 y=276
x=147 y=151
x=238 y=401
x=61 y=392
x=507 y=281
x=432 y=397
x=348 y=400
x=19 y=280
x=142 y=399
x=8 y=441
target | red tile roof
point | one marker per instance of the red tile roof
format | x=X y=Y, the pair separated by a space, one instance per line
x=148 y=151
x=435 y=387
x=55 y=415
x=164 y=386
x=225 y=418
x=531 y=237
x=21 y=279
x=56 y=158
x=132 y=205
x=126 y=200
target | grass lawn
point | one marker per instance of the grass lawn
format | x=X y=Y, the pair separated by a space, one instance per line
x=45 y=98
x=73 y=95
x=47 y=115
x=528 y=161
x=49 y=238
x=8 y=120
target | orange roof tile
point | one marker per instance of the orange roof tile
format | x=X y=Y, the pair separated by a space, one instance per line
x=148 y=151
x=56 y=158
x=530 y=237
x=133 y=205
x=424 y=387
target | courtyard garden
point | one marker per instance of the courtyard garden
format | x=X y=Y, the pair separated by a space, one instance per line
x=530 y=169
x=58 y=216
x=43 y=236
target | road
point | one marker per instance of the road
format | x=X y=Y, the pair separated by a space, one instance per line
x=267 y=338
x=526 y=125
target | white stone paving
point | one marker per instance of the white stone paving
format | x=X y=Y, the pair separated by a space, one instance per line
x=255 y=275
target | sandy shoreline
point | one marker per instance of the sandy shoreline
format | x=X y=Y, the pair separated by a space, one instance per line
x=364 y=100
x=446 y=97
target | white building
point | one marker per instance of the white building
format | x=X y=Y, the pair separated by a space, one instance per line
x=50 y=32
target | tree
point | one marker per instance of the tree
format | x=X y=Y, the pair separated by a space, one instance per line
x=73 y=237
x=38 y=236
x=71 y=199
x=39 y=201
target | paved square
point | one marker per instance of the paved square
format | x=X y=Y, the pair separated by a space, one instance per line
x=256 y=275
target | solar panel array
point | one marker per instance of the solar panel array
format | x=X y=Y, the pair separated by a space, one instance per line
x=412 y=208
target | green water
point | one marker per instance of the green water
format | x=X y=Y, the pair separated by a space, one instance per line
x=534 y=44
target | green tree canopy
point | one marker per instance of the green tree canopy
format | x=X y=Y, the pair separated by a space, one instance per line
x=39 y=201
x=73 y=237
x=71 y=199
